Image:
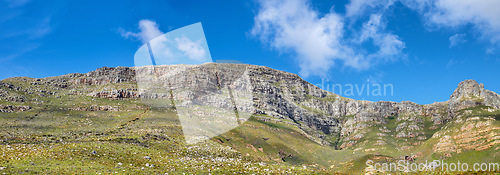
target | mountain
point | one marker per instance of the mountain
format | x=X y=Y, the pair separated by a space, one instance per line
x=220 y=118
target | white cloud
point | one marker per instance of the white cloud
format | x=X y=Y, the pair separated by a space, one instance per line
x=191 y=49
x=389 y=44
x=318 y=40
x=457 y=39
x=390 y=47
x=148 y=30
x=483 y=15
x=418 y=5
x=358 y=7
x=293 y=25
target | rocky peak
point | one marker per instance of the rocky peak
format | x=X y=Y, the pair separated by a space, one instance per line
x=468 y=89
x=470 y=93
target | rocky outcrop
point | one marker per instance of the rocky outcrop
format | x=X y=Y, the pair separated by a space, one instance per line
x=10 y=86
x=51 y=81
x=11 y=108
x=469 y=93
x=285 y=95
x=97 y=108
x=106 y=75
x=6 y=88
x=115 y=94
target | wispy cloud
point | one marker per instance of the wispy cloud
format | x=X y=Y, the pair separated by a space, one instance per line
x=148 y=30
x=389 y=44
x=12 y=70
x=490 y=50
x=23 y=31
x=319 y=41
x=16 y=3
x=450 y=63
x=35 y=30
x=15 y=52
x=376 y=78
x=483 y=16
x=453 y=62
x=457 y=39
x=357 y=8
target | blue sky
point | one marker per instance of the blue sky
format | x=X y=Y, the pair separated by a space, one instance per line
x=422 y=48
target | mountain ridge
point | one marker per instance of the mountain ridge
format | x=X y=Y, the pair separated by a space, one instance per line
x=327 y=119
x=469 y=93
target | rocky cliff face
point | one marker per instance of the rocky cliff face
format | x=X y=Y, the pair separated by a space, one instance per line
x=469 y=93
x=105 y=75
x=327 y=117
